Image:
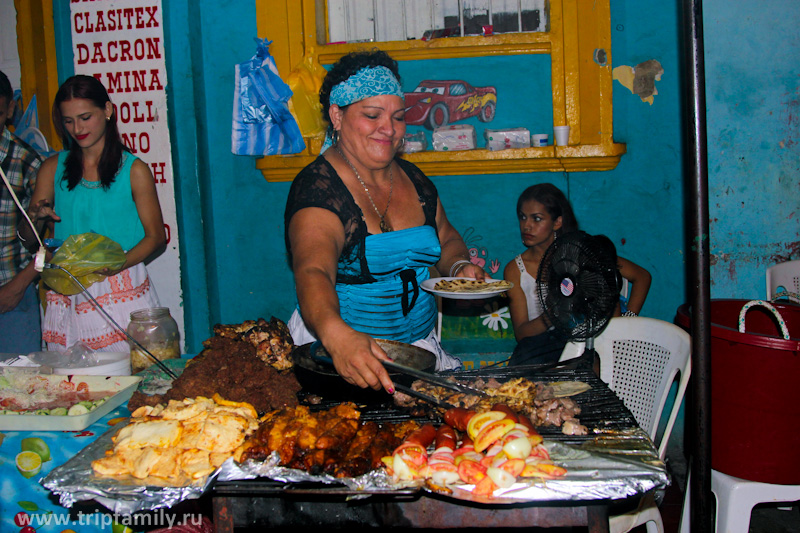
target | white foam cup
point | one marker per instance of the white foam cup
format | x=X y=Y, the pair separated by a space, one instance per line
x=562 y=135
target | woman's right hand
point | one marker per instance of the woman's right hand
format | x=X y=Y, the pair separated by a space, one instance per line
x=357 y=358
x=42 y=211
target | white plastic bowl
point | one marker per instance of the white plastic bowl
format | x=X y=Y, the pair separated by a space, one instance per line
x=111 y=364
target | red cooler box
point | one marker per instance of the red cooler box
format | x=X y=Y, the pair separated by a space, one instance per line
x=755 y=390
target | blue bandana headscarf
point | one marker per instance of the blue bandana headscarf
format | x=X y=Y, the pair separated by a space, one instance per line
x=367 y=82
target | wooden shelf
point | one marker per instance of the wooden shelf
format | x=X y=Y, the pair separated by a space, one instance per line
x=472 y=162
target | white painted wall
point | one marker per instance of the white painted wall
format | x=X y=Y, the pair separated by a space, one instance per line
x=9 y=55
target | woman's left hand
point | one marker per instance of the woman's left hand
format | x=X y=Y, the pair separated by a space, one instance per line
x=472 y=271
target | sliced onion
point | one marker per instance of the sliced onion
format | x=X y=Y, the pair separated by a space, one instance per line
x=517 y=448
x=444 y=477
x=500 y=477
x=401 y=469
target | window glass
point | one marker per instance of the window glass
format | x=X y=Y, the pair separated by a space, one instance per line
x=351 y=21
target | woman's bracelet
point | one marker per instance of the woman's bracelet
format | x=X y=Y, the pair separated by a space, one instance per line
x=630 y=313
x=458 y=265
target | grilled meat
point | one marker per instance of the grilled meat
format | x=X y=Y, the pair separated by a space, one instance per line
x=272 y=340
x=334 y=441
x=230 y=367
x=519 y=394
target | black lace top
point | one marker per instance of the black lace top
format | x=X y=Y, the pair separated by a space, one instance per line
x=318 y=185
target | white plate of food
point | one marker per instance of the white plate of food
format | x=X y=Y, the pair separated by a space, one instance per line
x=39 y=402
x=466 y=288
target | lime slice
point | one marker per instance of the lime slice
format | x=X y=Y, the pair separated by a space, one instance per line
x=29 y=464
x=116 y=527
x=37 y=446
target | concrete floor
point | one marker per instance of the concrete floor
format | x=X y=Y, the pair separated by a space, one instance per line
x=765 y=518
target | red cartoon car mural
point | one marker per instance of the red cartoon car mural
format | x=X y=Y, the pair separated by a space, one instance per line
x=437 y=103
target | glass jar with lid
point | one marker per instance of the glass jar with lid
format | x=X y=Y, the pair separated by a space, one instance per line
x=156 y=330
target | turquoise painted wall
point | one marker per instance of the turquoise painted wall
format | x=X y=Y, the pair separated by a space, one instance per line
x=231 y=223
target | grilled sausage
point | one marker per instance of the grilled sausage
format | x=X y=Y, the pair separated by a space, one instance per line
x=446 y=436
x=458 y=418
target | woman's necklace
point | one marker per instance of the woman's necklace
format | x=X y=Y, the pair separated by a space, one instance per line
x=385 y=228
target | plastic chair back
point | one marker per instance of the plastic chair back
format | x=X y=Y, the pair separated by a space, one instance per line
x=785 y=276
x=640 y=359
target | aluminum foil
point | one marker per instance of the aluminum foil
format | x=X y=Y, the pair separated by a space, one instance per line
x=614 y=465
x=75 y=481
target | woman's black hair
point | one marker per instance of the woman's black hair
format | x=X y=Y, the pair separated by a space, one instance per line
x=88 y=88
x=554 y=201
x=347 y=66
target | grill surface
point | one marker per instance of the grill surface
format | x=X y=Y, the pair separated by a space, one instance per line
x=601 y=408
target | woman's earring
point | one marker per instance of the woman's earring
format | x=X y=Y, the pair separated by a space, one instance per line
x=335 y=136
x=108 y=119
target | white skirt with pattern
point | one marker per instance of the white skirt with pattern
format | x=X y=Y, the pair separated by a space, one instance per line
x=72 y=319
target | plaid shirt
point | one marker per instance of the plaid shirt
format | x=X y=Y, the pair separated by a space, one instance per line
x=20 y=163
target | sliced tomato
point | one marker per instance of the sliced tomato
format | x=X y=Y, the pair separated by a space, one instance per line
x=470 y=471
x=513 y=466
x=464 y=449
x=485 y=487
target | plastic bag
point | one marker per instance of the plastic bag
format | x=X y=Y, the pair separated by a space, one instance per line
x=305 y=81
x=82 y=255
x=262 y=122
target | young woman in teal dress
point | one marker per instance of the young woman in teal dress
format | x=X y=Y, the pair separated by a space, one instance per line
x=363 y=228
x=97 y=185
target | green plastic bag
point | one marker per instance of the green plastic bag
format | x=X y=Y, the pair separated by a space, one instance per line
x=82 y=255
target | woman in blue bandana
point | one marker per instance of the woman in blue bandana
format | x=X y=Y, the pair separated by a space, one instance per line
x=363 y=227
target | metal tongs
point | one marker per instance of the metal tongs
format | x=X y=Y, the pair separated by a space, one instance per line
x=319 y=353
x=434 y=379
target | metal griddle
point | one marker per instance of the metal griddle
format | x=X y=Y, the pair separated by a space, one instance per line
x=601 y=409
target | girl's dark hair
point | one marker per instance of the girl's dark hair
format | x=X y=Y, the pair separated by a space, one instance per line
x=347 y=66
x=88 y=88
x=554 y=201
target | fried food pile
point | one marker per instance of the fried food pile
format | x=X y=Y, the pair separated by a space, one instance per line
x=334 y=441
x=272 y=340
x=182 y=442
x=520 y=394
x=229 y=365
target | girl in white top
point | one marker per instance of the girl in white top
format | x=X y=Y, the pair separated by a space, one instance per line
x=544 y=213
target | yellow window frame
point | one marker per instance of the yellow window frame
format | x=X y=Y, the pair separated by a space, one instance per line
x=581 y=84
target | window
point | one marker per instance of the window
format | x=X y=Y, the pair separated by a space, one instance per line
x=576 y=46
x=354 y=21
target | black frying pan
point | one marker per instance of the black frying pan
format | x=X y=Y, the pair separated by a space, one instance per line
x=316 y=373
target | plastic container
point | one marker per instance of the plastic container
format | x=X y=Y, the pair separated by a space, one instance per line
x=108 y=364
x=156 y=330
x=755 y=391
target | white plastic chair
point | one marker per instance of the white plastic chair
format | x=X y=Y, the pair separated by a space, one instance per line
x=735 y=501
x=785 y=275
x=640 y=359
